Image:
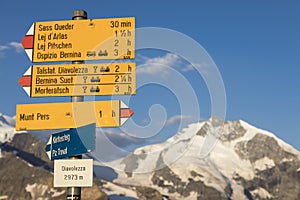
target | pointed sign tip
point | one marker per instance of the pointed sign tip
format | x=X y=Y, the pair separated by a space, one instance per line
x=130 y=112
x=25 y=81
x=126 y=113
x=48 y=147
x=27 y=42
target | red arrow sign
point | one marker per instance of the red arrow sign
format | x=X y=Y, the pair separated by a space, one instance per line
x=27 y=41
x=25 y=81
x=125 y=113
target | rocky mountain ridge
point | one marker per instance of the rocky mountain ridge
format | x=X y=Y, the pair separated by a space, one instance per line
x=213 y=159
x=216 y=160
x=25 y=170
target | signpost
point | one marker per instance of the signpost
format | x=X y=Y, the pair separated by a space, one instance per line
x=75 y=192
x=73 y=173
x=77 y=40
x=80 y=79
x=71 y=115
x=71 y=142
x=85 y=39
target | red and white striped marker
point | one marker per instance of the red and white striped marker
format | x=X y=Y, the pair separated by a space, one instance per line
x=125 y=113
x=25 y=81
x=27 y=42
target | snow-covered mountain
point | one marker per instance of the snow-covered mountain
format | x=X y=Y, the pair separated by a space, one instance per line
x=6 y=121
x=7 y=128
x=215 y=160
x=27 y=173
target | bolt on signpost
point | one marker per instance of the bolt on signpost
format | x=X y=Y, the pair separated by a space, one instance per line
x=77 y=40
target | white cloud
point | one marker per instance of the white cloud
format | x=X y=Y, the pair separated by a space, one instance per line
x=191 y=67
x=202 y=68
x=158 y=65
x=12 y=45
x=18 y=46
x=176 y=119
x=2 y=48
x=169 y=60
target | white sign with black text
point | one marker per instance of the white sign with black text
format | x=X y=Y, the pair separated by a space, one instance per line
x=73 y=173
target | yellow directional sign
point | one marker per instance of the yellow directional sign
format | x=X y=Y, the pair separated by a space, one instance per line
x=91 y=39
x=71 y=115
x=80 y=79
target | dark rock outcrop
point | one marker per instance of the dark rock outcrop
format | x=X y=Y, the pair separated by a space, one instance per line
x=27 y=173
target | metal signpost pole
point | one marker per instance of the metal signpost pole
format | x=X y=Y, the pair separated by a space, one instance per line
x=74 y=193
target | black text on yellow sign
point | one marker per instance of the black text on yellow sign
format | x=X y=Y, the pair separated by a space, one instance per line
x=92 y=39
x=80 y=79
x=67 y=115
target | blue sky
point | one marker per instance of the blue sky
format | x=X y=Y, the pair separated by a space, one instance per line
x=255 y=47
